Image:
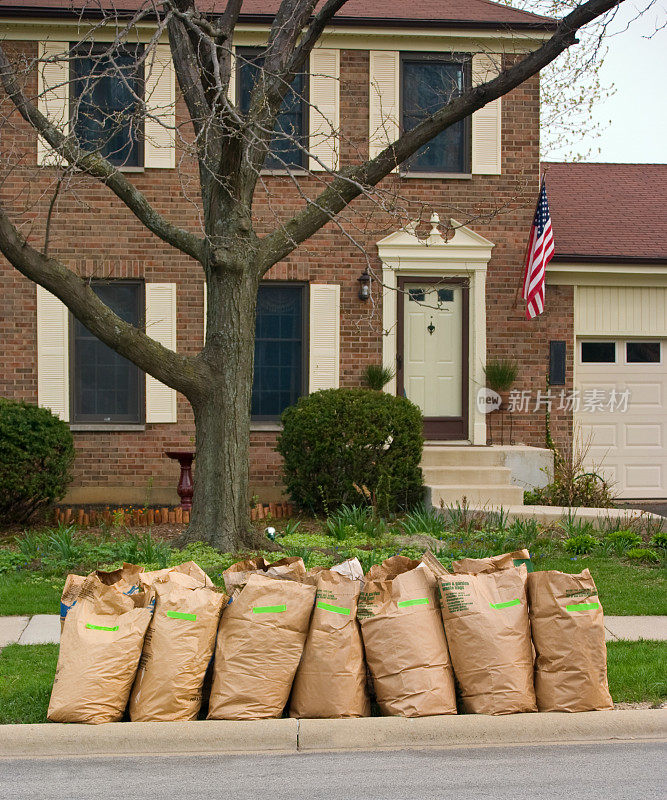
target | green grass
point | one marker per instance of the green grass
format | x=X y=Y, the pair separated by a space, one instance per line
x=26 y=678
x=623 y=588
x=637 y=671
x=29 y=593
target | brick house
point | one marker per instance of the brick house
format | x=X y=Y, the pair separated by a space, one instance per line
x=313 y=330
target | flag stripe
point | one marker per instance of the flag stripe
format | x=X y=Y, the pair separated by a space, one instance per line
x=540 y=251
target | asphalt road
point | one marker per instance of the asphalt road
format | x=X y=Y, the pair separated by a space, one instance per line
x=556 y=772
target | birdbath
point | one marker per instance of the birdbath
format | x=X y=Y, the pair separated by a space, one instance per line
x=185 y=486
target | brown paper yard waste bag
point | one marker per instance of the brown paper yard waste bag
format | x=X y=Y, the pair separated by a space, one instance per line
x=404 y=640
x=177 y=650
x=568 y=633
x=189 y=568
x=125 y=580
x=99 y=654
x=260 y=641
x=237 y=575
x=331 y=678
x=473 y=566
x=488 y=632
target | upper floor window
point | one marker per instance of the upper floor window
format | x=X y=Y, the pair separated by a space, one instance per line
x=428 y=82
x=289 y=142
x=104 y=101
x=280 y=348
x=105 y=387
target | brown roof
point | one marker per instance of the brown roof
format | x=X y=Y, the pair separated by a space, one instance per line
x=608 y=211
x=476 y=13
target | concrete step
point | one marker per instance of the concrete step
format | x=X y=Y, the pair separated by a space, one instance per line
x=475 y=495
x=473 y=476
x=461 y=456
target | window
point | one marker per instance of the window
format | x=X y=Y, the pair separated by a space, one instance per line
x=289 y=142
x=428 y=83
x=279 y=349
x=105 y=386
x=103 y=105
x=598 y=352
x=642 y=352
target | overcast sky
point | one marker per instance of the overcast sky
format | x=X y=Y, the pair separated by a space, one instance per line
x=634 y=120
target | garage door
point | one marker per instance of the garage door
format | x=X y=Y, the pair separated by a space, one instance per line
x=622 y=399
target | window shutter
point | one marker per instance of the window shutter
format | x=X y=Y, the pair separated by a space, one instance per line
x=52 y=354
x=384 y=110
x=324 y=344
x=486 y=123
x=160 y=96
x=161 y=326
x=52 y=95
x=324 y=108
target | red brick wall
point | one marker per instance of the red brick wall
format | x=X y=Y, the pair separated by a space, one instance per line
x=94 y=234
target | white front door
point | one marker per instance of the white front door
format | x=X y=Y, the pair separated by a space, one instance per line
x=628 y=441
x=432 y=370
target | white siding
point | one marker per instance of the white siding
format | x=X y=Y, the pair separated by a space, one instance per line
x=384 y=111
x=486 y=123
x=52 y=354
x=161 y=326
x=620 y=310
x=324 y=108
x=52 y=94
x=324 y=344
x=160 y=95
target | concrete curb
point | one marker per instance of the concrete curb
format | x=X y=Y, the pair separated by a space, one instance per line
x=320 y=735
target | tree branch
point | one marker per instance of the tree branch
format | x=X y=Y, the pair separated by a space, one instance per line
x=185 y=374
x=350 y=182
x=98 y=167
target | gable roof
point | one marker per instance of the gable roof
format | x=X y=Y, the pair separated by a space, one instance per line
x=605 y=212
x=393 y=13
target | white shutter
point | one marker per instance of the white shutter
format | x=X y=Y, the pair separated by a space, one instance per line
x=231 y=89
x=384 y=111
x=324 y=343
x=160 y=96
x=52 y=354
x=161 y=326
x=52 y=94
x=486 y=123
x=324 y=108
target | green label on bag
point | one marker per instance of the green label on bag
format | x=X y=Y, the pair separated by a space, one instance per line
x=509 y=603
x=583 y=607
x=420 y=601
x=335 y=609
x=269 y=609
x=181 y=615
x=101 y=627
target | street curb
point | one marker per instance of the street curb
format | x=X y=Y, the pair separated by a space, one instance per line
x=322 y=735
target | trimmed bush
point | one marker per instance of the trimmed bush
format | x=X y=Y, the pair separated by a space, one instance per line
x=350 y=446
x=36 y=455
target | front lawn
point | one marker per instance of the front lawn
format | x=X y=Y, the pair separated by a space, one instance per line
x=26 y=593
x=637 y=673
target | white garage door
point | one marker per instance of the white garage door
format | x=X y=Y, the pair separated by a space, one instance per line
x=622 y=399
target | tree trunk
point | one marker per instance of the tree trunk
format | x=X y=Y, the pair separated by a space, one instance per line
x=220 y=509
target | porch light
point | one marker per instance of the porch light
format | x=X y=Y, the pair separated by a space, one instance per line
x=364 y=285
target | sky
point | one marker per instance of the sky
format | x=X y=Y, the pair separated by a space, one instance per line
x=633 y=122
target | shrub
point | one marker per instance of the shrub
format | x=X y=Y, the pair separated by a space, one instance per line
x=620 y=541
x=377 y=376
x=643 y=554
x=36 y=455
x=501 y=374
x=345 y=446
x=581 y=544
x=659 y=541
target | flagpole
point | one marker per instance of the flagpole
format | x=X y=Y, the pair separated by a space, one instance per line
x=525 y=255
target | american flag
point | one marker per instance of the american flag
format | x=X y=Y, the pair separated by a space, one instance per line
x=538 y=254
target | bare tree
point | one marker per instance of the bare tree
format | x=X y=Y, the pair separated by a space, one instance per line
x=230 y=146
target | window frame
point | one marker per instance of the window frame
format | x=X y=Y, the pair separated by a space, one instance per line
x=84 y=49
x=305 y=342
x=614 y=342
x=246 y=54
x=656 y=340
x=465 y=59
x=98 y=419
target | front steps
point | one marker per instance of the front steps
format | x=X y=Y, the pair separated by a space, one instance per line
x=478 y=475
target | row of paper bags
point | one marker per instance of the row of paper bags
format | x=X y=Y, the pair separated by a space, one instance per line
x=302 y=639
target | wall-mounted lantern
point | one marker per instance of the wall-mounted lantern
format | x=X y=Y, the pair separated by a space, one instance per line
x=364 y=285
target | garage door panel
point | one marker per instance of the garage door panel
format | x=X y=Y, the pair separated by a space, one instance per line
x=638 y=435
x=645 y=395
x=643 y=477
x=599 y=435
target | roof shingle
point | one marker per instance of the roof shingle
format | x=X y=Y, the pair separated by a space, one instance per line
x=608 y=211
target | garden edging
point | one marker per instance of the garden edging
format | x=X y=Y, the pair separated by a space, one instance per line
x=311 y=735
